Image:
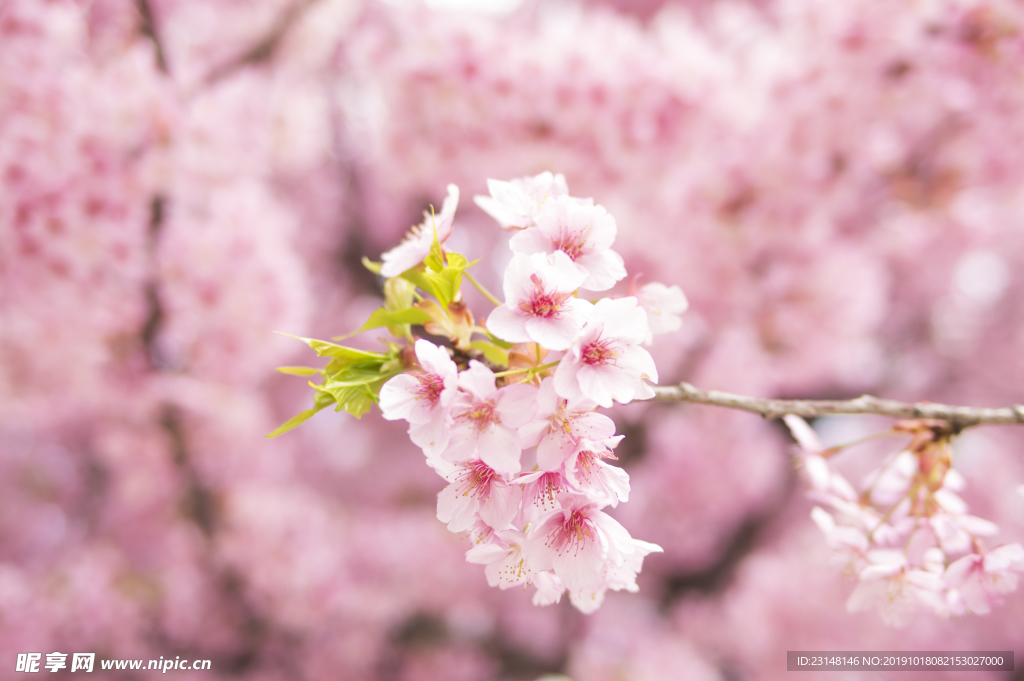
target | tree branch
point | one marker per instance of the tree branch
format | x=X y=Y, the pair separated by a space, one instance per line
x=958 y=417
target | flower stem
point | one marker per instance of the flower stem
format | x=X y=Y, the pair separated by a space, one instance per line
x=529 y=370
x=487 y=294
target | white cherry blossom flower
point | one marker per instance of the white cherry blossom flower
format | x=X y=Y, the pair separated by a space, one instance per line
x=477 y=491
x=616 y=578
x=587 y=472
x=605 y=362
x=980 y=580
x=514 y=204
x=539 y=302
x=486 y=419
x=582 y=231
x=664 y=306
x=578 y=542
x=416 y=245
x=896 y=590
x=561 y=424
x=503 y=557
x=549 y=588
x=850 y=544
x=541 y=490
x=423 y=397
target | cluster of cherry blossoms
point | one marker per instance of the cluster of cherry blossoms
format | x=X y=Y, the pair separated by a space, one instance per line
x=907 y=535
x=516 y=436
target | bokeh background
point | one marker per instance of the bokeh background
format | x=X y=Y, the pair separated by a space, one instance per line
x=837 y=186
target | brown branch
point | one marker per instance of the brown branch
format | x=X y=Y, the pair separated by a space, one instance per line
x=148 y=29
x=958 y=417
x=263 y=50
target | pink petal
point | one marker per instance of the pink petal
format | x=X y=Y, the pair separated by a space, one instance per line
x=499 y=448
x=553 y=450
x=431 y=436
x=456 y=509
x=552 y=333
x=604 y=269
x=478 y=380
x=530 y=241
x=509 y=325
x=516 y=404
x=398 y=397
x=501 y=505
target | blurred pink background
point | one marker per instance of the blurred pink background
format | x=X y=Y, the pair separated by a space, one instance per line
x=837 y=186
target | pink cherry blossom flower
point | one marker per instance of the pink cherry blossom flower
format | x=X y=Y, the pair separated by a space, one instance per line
x=503 y=556
x=587 y=472
x=486 y=419
x=561 y=424
x=539 y=302
x=582 y=231
x=423 y=397
x=578 y=542
x=663 y=305
x=541 y=490
x=617 y=578
x=895 y=589
x=980 y=580
x=416 y=245
x=605 y=361
x=477 y=491
x=549 y=588
x=849 y=544
x=514 y=204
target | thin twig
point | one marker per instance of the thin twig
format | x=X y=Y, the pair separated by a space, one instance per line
x=958 y=417
x=479 y=287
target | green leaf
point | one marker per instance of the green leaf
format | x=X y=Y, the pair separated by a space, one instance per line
x=353 y=377
x=435 y=260
x=418 y=278
x=357 y=401
x=374 y=267
x=447 y=281
x=325 y=349
x=323 y=400
x=398 y=293
x=338 y=366
x=383 y=317
x=493 y=353
x=299 y=371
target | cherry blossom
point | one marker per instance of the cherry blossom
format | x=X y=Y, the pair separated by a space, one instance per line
x=664 y=306
x=578 y=542
x=896 y=590
x=416 y=245
x=486 y=419
x=605 y=363
x=503 y=556
x=588 y=473
x=515 y=204
x=477 y=490
x=549 y=588
x=583 y=232
x=979 y=580
x=561 y=425
x=899 y=533
x=616 y=577
x=541 y=490
x=423 y=397
x=540 y=305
